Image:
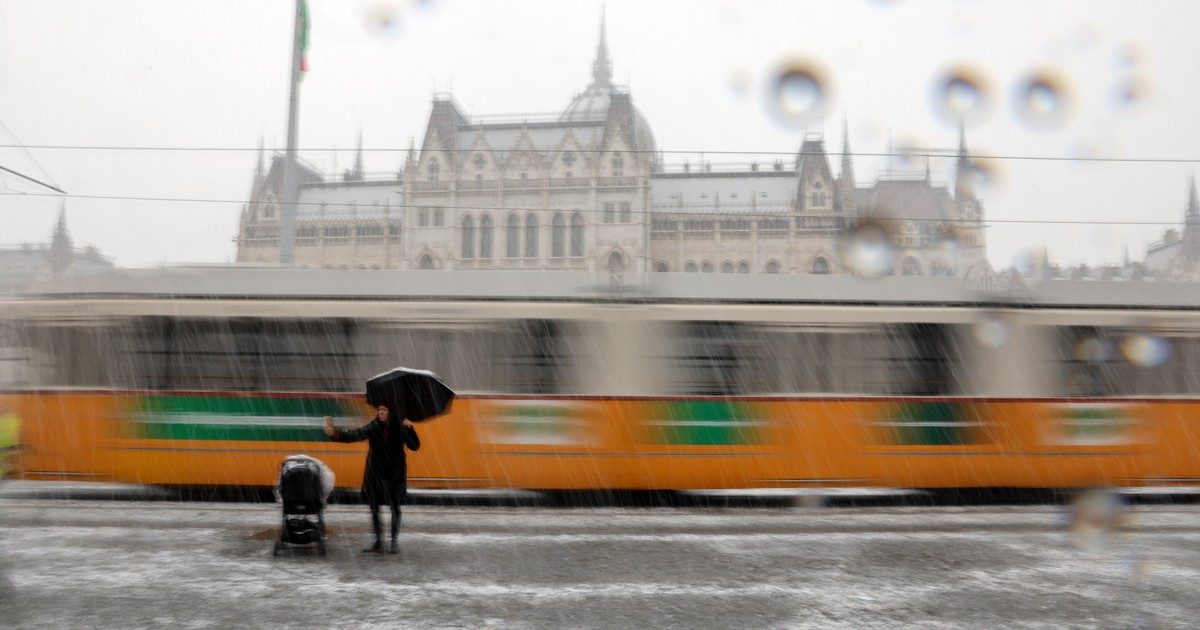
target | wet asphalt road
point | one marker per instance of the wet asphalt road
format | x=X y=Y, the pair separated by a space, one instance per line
x=120 y=564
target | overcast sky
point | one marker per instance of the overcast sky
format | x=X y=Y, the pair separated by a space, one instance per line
x=209 y=73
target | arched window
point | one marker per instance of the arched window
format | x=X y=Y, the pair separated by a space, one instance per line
x=558 y=236
x=485 y=237
x=468 y=237
x=772 y=266
x=706 y=267
x=423 y=217
x=531 y=236
x=512 y=237
x=434 y=169
x=690 y=267
x=616 y=262
x=911 y=267
x=743 y=267
x=662 y=266
x=820 y=266
x=426 y=262
x=576 y=234
x=727 y=267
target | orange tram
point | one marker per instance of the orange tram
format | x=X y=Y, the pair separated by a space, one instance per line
x=671 y=381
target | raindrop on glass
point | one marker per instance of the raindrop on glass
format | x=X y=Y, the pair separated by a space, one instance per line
x=910 y=154
x=1131 y=93
x=870 y=250
x=961 y=95
x=1042 y=101
x=993 y=332
x=799 y=94
x=1095 y=517
x=1094 y=350
x=1145 y=350
x=382 y=18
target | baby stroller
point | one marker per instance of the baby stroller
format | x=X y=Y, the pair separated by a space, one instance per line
x=304 y=483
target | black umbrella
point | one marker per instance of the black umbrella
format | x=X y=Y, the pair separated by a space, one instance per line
x=413 y=394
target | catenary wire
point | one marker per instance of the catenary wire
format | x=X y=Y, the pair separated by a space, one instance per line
x=585 y=211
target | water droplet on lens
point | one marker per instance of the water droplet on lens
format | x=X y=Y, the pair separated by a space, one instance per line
x=961 y=95
x=1043 y=101
x=1095 y=516
x=1131 y=93
x=1094 y=350
x=910 y=154
x=382 y=18
x=799 y=94
x=1145 y=350
x=993 y=332
x=986 y=177
x=740 y=82
x=870 y=250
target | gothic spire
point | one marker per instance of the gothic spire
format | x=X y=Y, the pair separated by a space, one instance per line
x=61 y=248
x=847 y=163
x=602 y=67
x=1193 y=207
x=358 y=156
x=260 y=169
x=963 y=187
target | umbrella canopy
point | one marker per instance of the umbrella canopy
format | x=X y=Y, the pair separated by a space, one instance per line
x=413 y=394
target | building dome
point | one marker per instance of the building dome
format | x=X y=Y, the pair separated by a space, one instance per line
x=589 y=106
x=592 y=104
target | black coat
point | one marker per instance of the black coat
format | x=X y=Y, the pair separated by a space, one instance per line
x=385 y=477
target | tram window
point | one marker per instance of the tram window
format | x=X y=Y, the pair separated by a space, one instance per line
x=239 y=354
x=71 y=354
x=15 y=358
x=908 y=360
x=804 y=360
x=1111 y=361
x=496 y=356
x=711 y=358
x=534 y=357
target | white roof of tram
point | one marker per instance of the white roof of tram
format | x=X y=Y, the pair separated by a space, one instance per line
x=231 y=282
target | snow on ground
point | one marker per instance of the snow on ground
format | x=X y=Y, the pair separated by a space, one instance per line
x=119 y=564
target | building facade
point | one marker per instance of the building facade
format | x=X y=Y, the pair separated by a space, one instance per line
x=587 y=190
x=21 y=266
x=1177 y=256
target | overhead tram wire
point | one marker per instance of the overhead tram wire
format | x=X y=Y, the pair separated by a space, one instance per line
x=931 y=153
x=501 y=209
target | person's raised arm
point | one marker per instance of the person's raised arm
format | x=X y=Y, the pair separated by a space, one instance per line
x=411 y=439
x=347 y=435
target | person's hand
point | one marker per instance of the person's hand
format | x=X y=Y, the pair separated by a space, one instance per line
x=407 y=423
x=329 y=430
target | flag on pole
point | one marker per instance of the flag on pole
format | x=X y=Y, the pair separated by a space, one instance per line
x=304 y=25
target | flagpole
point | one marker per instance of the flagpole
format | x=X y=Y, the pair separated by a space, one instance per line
x=291 y=183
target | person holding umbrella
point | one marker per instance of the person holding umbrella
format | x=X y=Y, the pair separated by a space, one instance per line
x=385 y=479
x=400 y=396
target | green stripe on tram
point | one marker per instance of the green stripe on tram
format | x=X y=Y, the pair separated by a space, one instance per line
x=255 y=419
x=245 y=406
x=706 y=423
x=234 y=432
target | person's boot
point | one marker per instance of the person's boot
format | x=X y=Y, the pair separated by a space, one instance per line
x=375 y=548
x=394 y=548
